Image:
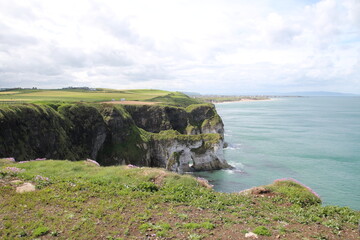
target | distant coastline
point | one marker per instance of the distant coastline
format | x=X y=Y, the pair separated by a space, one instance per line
x=229 y=99
x=243 y=100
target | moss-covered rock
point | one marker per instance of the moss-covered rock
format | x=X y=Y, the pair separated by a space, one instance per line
x=33 y=131
x=87 y=131
x=158 y=118
x=203 y=118
x=124 y=143
x=193 y=120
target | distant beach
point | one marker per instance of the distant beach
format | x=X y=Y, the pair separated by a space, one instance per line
x=226 y=99
x=243 y=100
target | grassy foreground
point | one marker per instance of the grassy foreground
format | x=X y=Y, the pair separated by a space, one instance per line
x=80 y=200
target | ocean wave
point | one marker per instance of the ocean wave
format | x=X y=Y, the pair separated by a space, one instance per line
x=235 y=171
x=232 y=146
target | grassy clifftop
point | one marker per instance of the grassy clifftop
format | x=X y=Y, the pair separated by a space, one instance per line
x=96 y=95
x=80 y=200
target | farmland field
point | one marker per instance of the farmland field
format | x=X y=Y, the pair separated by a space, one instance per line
x=93 y=95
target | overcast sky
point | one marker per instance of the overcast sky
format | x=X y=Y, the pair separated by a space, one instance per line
x=205 y=46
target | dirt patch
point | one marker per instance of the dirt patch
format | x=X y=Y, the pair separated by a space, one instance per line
x=4 y=93
x=258 y=191
x=159 y=178
x=205 y=183
x=131 y=102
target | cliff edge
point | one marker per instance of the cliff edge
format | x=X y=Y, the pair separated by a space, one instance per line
x=176 y=138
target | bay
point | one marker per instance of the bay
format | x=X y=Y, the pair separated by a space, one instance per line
x=315 y=140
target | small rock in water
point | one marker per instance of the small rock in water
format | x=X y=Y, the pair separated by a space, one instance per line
x=26 y=187
x=251 y=235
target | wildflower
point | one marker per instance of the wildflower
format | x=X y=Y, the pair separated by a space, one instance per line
x=40 y=159
x=23 y=161
x=10 y=159
x=132 y=166
x=93 y=161
x=41 y=178
x=14 y=170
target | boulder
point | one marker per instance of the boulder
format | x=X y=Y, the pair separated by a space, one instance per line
x=26 y=187
x=251 y=235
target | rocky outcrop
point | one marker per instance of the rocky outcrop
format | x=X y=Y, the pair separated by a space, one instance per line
x=192 y=140
x=192 y=153
x=205 y=119
x=26 y=187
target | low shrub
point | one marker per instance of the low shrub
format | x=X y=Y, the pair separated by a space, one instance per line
x=262 y=231
x=40 y=231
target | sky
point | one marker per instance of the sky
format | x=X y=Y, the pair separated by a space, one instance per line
x=203 y=46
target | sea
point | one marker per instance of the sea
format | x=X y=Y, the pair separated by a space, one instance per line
x=315 y=140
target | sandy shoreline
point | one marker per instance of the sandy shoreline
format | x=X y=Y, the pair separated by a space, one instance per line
x=243 y=100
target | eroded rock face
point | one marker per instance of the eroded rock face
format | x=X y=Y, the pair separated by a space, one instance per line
x=187 y=156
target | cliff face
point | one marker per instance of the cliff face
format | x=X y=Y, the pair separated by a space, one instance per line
x=174 y=138
x=195 y=119
x=158 y=118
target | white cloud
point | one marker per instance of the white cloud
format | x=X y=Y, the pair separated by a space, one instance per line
x=205 y=46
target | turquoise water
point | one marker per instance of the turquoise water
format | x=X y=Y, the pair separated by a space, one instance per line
x=315 y=140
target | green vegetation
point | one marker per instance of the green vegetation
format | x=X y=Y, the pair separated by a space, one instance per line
x=175 y=99
x=262 y=231
x=295 y=193
x=108 y=132
x=194 y=107
x=208 y=138
x=40 y=231
x=80 y=200
x=95 y=95
x=205 y=225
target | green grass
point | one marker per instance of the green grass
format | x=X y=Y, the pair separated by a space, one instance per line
x=262 y=231
x=40 y=231
x=176 y=99
x=80 y=200
x=209 y=138
x=81 y=95
x=295 y=193
x=100 y=95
